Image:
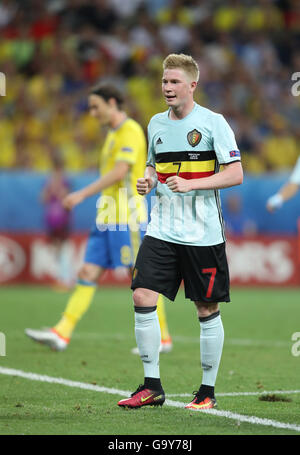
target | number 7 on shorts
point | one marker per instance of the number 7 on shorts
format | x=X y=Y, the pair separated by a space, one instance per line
x=212 y=271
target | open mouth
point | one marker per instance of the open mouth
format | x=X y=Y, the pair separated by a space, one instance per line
x=170 y=97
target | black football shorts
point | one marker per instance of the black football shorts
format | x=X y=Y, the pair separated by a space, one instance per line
x=161 y=266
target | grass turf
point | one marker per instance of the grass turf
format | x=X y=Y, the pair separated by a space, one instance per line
x=257 y=356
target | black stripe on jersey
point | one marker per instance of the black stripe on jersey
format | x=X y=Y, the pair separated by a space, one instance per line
x=218 y=203
x=229 y=162
x=150 y=164
x=168 y=157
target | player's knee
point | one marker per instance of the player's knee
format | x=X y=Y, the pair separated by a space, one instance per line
x=139 y=297
x=87 y=273
x=205 y=309
x=144 y=297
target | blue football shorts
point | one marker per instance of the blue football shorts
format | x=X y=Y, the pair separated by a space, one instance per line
x=111 y=249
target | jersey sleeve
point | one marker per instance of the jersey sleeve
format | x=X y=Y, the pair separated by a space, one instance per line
x=295 y=175
x=151 y=150
x=224 y=142
x=127 y=147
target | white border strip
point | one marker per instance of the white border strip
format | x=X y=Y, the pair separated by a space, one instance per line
x=242 y=394
x=176 y=404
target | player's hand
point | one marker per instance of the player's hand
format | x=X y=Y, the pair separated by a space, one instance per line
x=274 y=202
x=72 y=199
x=144 y=186
x=178 y=184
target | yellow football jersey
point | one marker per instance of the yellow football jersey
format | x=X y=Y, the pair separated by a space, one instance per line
x=120 y=203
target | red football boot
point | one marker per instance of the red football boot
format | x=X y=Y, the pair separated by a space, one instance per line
x=143 y=397
x=199 y=402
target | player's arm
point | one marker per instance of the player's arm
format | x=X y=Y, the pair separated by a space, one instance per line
x=115 y=175
x=231 y=175
x=287 y=191
x=284 y=194
x=148 y=182
x=145 y=184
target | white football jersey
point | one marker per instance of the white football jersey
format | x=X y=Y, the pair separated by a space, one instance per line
x=193 y=147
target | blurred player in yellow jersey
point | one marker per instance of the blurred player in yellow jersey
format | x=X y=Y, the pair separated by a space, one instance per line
x=120 y=224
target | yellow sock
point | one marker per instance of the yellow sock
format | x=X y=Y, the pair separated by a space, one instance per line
x=162 y=318
x=65 y=327
x=77 y=305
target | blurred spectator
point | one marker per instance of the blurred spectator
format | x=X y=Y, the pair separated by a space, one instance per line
x=280 y=147
x=153 y=6
x=125 y=8
x=56 y=188
x=175 y=22
x=8 y=10
x=57 y=219
x=52 y=51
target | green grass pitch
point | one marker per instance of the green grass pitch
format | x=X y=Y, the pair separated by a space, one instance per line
x=257 y=357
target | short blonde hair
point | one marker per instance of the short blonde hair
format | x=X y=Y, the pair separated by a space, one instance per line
x=184 y=62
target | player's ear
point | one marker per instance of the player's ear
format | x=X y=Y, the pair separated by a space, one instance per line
x=193 y=85
x=112 y=103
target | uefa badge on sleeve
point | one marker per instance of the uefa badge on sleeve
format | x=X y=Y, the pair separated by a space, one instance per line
x=235 y=153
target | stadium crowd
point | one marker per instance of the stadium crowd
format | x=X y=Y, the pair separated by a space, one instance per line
x=52 y=51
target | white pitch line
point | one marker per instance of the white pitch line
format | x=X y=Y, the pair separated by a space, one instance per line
x=242 y=418
x=62 y=381
x=177 y=404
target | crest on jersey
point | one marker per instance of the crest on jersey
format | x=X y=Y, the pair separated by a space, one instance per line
x=194 y=137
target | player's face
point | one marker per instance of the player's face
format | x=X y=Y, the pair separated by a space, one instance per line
x=99 y=109
x=177 y=87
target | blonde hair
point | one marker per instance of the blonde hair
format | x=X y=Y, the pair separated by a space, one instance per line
x=184 y=62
